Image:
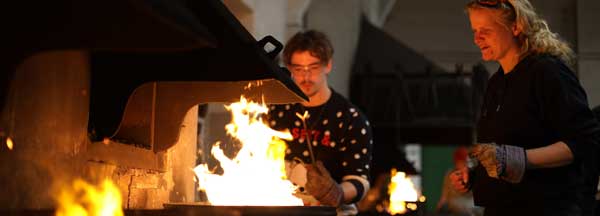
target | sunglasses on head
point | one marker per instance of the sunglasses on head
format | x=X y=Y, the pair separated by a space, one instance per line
x=494 y=3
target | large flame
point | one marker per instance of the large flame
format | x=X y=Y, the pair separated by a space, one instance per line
x=83 y=199
x=256 y=175
x=401 y=190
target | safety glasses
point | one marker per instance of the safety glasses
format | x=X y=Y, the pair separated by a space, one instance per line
x=303 y=70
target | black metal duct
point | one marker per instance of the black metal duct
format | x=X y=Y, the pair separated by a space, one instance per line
x=164 y=54
x=408 y=98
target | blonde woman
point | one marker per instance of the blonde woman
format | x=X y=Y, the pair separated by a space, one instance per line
x=536 y=134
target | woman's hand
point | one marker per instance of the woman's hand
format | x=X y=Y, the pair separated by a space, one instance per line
x=459 y=179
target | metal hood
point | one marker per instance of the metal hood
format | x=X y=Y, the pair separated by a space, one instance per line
x=149 y=61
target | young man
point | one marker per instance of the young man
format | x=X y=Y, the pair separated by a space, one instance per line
x=330 y=154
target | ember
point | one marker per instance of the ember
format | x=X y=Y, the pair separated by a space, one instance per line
x=9 y=143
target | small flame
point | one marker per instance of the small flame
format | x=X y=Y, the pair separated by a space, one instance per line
x=82 y=199
x=258 y=169
x=9 y=143
x=253 y=84
x=401 y=190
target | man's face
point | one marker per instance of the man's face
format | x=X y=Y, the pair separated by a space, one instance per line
x=493 y=39
x=309 y=72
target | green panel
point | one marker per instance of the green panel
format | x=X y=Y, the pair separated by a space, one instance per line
x=436 y=161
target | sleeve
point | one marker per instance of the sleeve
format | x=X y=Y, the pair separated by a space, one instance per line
x=359 y=149
x=564 y=107
x=446 y=187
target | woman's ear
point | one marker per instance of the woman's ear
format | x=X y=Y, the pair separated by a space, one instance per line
x=516 y=29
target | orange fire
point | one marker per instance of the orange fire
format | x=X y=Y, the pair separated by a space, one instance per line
x=256 y=175
x=83 y=199
x=401 y=190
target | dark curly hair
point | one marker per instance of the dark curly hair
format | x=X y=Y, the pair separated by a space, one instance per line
x=313 y=41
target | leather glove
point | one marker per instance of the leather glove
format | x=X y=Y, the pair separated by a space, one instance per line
x=320 y=185
x=504 y=162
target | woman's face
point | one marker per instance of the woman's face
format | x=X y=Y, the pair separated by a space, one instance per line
x=494 y=39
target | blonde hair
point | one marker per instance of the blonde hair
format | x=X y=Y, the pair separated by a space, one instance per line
x=535 y=37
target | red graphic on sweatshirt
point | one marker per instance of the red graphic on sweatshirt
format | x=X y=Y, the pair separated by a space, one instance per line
x=299 y=133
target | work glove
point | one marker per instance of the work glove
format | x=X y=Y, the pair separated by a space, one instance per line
x=320 y=185
x=504 y=162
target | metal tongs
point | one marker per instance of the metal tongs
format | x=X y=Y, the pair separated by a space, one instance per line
x=308 y=141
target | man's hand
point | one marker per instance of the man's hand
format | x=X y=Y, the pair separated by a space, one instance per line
x=505 y=162
x=320 y=185
x=460 y=179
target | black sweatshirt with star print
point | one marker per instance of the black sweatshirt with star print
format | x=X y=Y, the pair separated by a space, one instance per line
x=339 y=133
